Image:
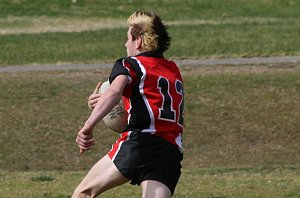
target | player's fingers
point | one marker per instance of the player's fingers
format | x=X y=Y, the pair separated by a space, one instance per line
x=85 y=143
x=82 y=150
x=89 y=143
x=93 y=106
x=94 y=101
x=94 y=96
x=84 y=147
x=85 y=137
x=97 y=88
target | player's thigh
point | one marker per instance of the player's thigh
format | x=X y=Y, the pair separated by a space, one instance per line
x=155 y=189
x=101 y=177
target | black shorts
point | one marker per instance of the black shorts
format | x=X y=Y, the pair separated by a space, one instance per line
x=144 y=156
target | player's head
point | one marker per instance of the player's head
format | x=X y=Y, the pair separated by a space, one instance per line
x=149 y=28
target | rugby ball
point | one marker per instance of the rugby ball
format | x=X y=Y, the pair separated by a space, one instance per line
x=116 y=119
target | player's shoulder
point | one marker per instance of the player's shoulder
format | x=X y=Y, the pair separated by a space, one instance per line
x=119 y=61
x=130 y=60
x=124 y=62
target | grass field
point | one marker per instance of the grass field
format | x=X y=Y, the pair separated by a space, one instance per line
x=56 y=32
x=194 y=183
x=242 y=127
x=246 y=118
x=228 y=40
x=171 y=10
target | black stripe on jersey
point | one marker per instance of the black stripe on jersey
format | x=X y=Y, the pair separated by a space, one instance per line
x=118 y=69
x=140 y=118
x=135 y=67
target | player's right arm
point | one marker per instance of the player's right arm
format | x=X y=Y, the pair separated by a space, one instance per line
x=105 y=103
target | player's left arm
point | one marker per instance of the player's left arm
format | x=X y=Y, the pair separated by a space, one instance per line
x=108 y=101
x=94 y=97
x=105 y=104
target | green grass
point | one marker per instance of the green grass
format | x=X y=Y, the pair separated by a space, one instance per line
x=241 y=135
x=272 y=182
x=62 y=47
x=47 y=109
x=227 y=40
x=200 y=29
x=171 y=10
x=242 y=119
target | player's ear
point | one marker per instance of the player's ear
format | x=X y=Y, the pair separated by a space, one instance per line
x=138 y=42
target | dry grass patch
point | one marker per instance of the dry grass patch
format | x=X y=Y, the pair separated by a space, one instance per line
x=31 y=25
x=42 y=24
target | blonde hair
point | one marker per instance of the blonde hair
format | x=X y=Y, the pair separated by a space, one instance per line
x=152 y=31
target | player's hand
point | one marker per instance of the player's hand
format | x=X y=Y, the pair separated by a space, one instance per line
x=94 y=97
x=85 y=139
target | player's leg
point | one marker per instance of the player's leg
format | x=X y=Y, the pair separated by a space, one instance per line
x=103 y=176
x=163 y=162
x=155 y=189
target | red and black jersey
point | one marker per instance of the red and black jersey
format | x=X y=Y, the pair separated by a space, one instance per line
x=154 y=96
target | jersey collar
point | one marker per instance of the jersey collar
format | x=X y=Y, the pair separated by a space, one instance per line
x=151 y=54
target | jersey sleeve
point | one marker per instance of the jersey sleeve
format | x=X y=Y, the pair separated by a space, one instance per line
x=122 y=67
x=119 y=69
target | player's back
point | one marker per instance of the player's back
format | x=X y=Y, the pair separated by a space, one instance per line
x=156 y=105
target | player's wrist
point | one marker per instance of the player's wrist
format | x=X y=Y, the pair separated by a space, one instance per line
x=89 y=125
